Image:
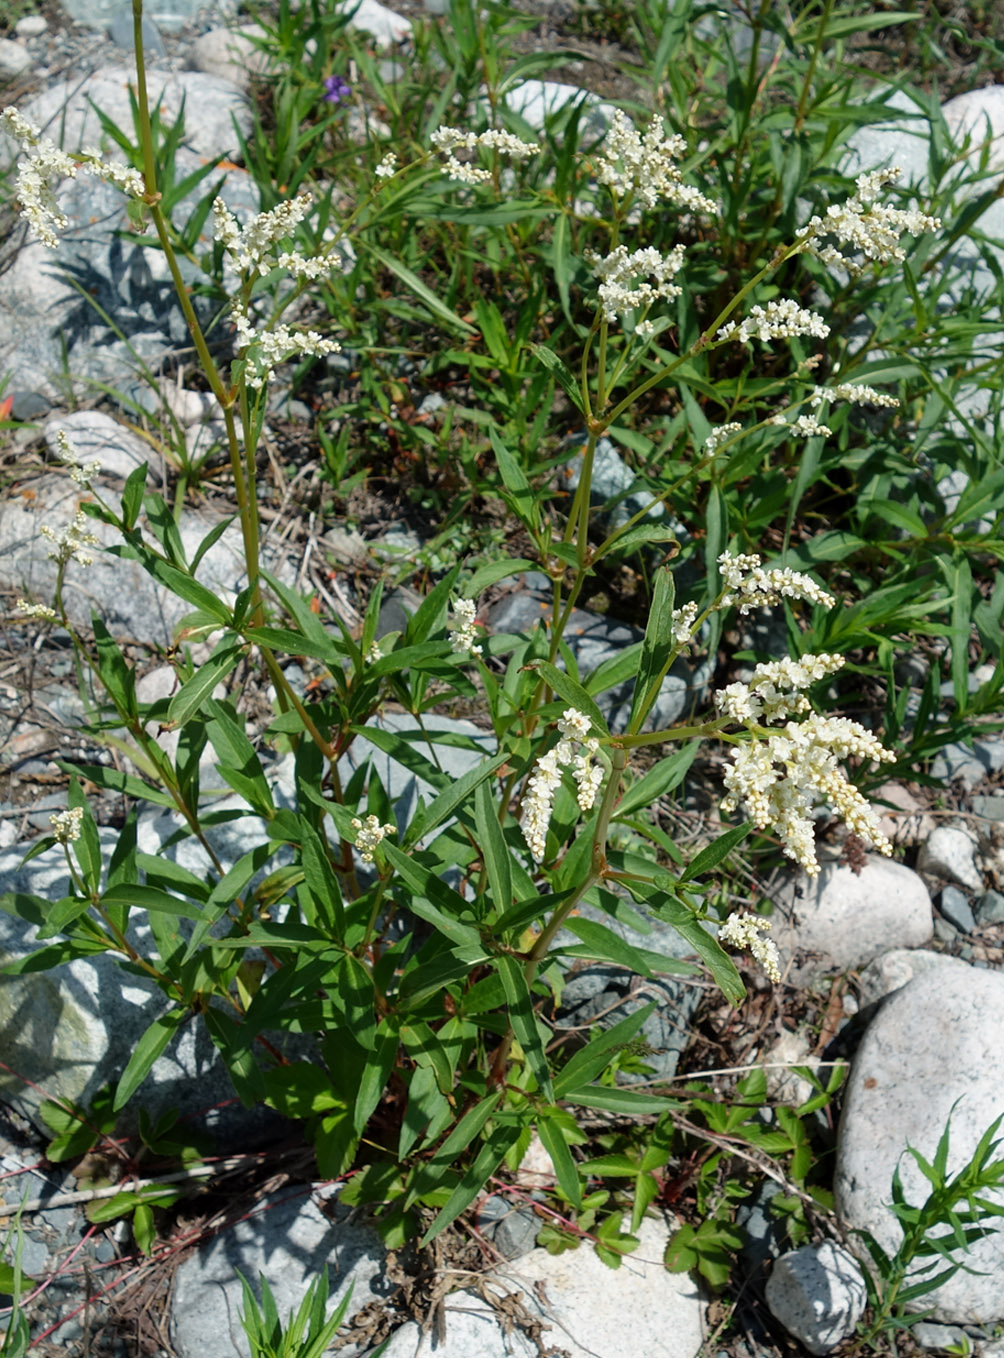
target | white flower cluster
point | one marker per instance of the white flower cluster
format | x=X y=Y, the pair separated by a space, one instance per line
x=619 y=270
x=869 y=229
x=40 y=612
x=66 y=824
x=775 y=690
x=683 y=623
x=545 y=780
x=42 y=164
x=369 y=834
x=779 y=780
x=644 y=165
x=462 y=628
x=81 y=472
x=777 y=320
x=720 y=435
x=387 y=167
x=263 y=350
x=746 y=931
x=857 y=393
x=69 y=543
x=749 y=586
x=252 y=247
x=806 y=425
x=449 y=140
x=374 y=652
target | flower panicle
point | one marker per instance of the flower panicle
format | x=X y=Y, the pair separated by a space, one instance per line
x=866 y=231
x=747 y=585
x=575 y=749
x=783 y=319
x=449 y=140
x=66 y=824
x=42 y=164
x=462 y=628
x=644 y=164
x=746 y=931
x=370 y=834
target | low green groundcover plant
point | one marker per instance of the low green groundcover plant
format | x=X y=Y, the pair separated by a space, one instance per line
x=656 y=285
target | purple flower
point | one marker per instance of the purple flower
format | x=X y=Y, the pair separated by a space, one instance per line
x=336 y=89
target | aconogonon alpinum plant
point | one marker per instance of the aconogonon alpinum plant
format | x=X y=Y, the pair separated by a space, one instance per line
x=426 y=958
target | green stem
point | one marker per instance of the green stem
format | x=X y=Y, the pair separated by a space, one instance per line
x=817 y=47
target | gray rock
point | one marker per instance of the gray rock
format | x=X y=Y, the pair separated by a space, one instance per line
x=969 y=766
x=818 y=1294
x=929 y=1055
x=843 y=919
x=512 y=1228
x=990 y=808
x=586 y=1304
x=949 y=853
x=467 y=746
x=289 y=1241
x=122 y=33
x=764 y=1234
x=473 y=1330
x=990 y=908
x=612 y=479
x=537 y=101
x=14 y=59
x=169 y=15
x=956 y=909
x=28 y=405
x=230 y=54
x=592 y=639
x=930 y=1336
x=65 y=1033
x=133 y=605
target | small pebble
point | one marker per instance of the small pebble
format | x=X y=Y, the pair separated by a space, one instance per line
x=31 y=26
x=990 y=908
x=955 y=907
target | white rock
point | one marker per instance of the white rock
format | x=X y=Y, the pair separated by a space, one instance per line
x=783 y=1085
x=386 y=27
x=931 y=1053
x=949 y=853
x=211 y=105
x=537 y=100
x=841 y=919
x=582 y=1304
x=894 y=969
x=979 y=116
x=134 y=606
x=13 y=59
x=586 y=1304
x=473 y=1330
x=64 y=1033
x=31 y=26
x=818 y=1295
x=904 y=820
x=289 y=1239
x=187 y=406
x=231 y=54
x=99 y=438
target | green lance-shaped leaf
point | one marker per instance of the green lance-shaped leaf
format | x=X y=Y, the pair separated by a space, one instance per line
x=524 y=1022
x=655 y=648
